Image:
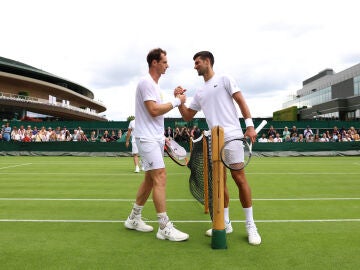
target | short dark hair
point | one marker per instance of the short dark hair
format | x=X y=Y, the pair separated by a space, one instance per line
x=155 y=54
x=205 y=55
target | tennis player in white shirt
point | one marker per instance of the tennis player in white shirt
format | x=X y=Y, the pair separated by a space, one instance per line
x=216 y=100
x=150 y=140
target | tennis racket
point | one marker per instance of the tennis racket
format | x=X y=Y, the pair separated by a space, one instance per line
x=176 y=152
x=231 y=152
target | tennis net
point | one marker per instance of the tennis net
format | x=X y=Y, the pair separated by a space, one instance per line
x=200 y=165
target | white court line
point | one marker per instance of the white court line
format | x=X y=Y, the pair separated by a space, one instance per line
x=170 y=200
x=169 y=173
x=80 y=173
x=14 y=166
x=177 y=221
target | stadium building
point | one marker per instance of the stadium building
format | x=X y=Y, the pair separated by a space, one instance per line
x=25 y=89
x=329 y=95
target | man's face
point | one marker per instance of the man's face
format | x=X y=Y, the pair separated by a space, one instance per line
x=201 y=65
x=162 y=64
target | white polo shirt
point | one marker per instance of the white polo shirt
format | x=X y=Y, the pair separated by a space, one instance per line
x=148 y=127
x=216 y=102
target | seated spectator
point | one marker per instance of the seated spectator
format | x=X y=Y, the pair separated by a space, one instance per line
x=6 y=132
x=177 y=134
x=119 y=134
x=195 y=132
x=27 y=137
x=346 y=138
x=185 y=134
x=316 y=138
x=356 y=137
x=263 y=138
x=34 y=133
x=324 y=138
x=293 y=131
x=113 y=137
x=76 y=135
x=271 y=139
x=15 y=136
x=335 y=134
x=68 y=137
x=308 y=132
x=168 y=132
x=271 y=132
x=93 y=136
x=294 y=137
x=287 y=139
x=21 y=132
x=310 y=138
x=285 y=133
x=277 y=138
x=105 y=137
x=301 y=138
x=82 y=136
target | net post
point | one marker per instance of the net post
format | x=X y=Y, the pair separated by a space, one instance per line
x=218 y=238
x=206 y=175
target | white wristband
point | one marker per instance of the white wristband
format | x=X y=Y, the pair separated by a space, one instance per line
x=249 y=122
x=176 y=102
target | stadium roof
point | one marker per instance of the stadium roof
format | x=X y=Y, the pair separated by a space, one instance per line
x=18 y=68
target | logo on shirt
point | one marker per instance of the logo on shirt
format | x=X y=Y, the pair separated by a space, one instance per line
x=215 y=85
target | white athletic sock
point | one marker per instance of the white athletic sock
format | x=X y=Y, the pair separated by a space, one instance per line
x=136 y=211
x=249 y=214
x=226 y=215
x=163 y=219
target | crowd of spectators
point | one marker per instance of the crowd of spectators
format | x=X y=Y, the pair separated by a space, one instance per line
x=43 y=134
x=183 y=134
x=308 y=135
x=179 y=134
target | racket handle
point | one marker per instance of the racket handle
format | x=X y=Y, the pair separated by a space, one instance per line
x=260 y=127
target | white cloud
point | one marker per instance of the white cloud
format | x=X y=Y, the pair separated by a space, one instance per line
x=270 y=47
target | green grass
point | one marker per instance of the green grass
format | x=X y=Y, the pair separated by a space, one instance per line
x=68 y=213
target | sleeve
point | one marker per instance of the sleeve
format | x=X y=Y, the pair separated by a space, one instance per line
x=230 y=85
x=194 y=104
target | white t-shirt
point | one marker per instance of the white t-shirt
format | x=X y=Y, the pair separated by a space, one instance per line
x=216 y=102
x=132 y=127
x=148 y=127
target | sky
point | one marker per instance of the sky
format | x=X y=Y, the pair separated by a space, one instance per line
x=269 y=46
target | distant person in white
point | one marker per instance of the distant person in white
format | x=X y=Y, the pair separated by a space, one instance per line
x=216 y=100
x=150 y=140
x=134 y=149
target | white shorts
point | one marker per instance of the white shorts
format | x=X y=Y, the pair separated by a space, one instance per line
x=134 y=148
x=152 y=153
x=234 y=152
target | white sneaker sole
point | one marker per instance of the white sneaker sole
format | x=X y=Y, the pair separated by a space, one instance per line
x=130 y=226
x=178 y=239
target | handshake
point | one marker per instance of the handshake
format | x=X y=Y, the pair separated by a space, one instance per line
x=180 y=97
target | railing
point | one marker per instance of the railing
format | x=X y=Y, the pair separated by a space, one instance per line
x=28 y=99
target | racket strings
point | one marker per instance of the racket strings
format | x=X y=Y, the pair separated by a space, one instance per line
x=236 y=154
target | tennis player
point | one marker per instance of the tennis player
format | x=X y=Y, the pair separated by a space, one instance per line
x=134 y=149
x=150 y=139
x=216 y=100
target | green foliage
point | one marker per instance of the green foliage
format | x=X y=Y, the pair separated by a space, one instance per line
x=288 y=114
x=131 y=117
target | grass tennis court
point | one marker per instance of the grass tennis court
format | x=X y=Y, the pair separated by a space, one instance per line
x=68 y=213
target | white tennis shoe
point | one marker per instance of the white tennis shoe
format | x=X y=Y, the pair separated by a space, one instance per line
x=228 y=229
x=138 y=224
x=170 y=233
x=137 y=169
x=253 y=235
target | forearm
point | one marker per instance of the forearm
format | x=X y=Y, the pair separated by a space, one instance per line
x=156 y=109
x=186 y=113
